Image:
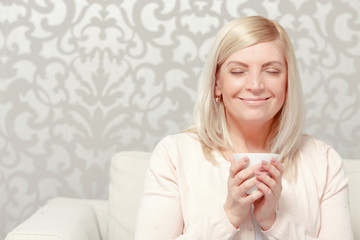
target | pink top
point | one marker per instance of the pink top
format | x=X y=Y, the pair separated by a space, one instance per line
x=184 y=196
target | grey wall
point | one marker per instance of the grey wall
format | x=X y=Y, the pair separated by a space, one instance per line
x=82 y=80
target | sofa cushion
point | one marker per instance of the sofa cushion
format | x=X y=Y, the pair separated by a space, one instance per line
x=65 y=218
x=127 y=173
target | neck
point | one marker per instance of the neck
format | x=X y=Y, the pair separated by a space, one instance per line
x=249 y=137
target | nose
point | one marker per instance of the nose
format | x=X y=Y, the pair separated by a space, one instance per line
x=254 y=82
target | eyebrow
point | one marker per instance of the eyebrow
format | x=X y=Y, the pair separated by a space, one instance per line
x=264 y=65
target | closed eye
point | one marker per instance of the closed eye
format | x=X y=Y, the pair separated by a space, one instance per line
x=273 y=72
x=236 y=73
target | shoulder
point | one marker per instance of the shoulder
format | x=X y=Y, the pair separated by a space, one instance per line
x=315 y=147
x=180 y=140
x=321 y=162
x=179 y=145
x=318 y=154
x=310 y=143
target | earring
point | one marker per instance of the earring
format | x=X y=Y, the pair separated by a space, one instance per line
x=218 y=98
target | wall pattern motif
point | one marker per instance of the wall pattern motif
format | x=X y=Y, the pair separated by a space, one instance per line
x=81 y=80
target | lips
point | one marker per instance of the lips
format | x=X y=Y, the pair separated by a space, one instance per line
x=255 y=99
x=255 y=102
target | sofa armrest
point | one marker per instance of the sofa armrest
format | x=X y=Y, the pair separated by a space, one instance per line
x=352 y=167
x=65 y=219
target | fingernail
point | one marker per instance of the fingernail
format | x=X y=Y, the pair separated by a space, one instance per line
x=273 y=160
x=246 y=159
x=264 y=162
x=257 y=173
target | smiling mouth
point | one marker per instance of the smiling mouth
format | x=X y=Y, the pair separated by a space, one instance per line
x=254 y=99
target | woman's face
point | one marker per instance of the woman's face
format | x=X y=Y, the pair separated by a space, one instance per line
x=252 y=82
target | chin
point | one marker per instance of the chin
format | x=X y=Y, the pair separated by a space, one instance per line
x=256 y=120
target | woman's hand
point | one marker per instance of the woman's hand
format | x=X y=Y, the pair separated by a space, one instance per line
x=268 y=180
x=238 y=203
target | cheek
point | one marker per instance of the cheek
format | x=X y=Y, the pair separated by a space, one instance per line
x=223 y=84
x=231 y=85
x=278 y=87
x=281 y=91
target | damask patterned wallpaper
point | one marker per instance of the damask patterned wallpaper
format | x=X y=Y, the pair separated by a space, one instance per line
x=82 y=80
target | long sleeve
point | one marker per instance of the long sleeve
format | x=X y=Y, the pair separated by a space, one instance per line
x=333 y=214
x=160 y=214
x=184 y=195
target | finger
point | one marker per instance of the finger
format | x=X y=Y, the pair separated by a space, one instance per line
x=244 y=187
x=278 y=165
x=237 y=166
x=265 y=179
x=255 y=195
x=244 y=174
x=270 y=183
x=272 y=169
x=267 y=191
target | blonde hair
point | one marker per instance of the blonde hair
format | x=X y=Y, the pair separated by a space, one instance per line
x=209 y=116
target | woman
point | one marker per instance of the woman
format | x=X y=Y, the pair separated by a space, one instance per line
x=249 y=100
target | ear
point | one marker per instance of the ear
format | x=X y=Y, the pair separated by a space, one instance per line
x=217 y=90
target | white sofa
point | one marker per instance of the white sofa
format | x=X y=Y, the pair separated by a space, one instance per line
x=83 y=219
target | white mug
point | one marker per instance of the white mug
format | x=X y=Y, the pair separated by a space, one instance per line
x=256 y=158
